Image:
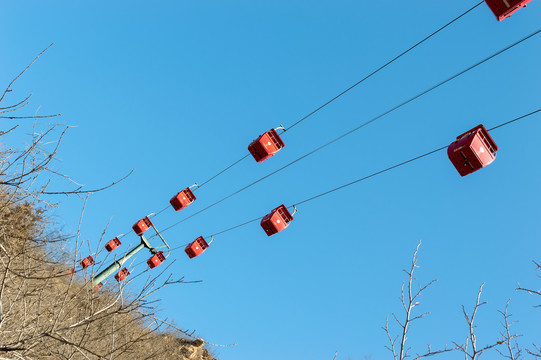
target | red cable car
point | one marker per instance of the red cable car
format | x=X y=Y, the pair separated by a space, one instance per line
x=156 y=260
x=277 y=220
x=182 y=199
x=122 y=274
x=196 y=248
x=87 y=261
x=142 y=225
x=472 y=150
x=97 y=287
x=113 y=244
x=504 y=8
x=266 y=145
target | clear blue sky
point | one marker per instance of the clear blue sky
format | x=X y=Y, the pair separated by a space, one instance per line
x=177 y=90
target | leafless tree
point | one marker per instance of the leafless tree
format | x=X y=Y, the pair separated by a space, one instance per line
x=513 y=351
x=470 y=349
x=534 y=350
x=409 y=297
x=23 y=170
x=49 y=310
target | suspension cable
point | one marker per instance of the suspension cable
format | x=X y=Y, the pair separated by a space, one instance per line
x=224 y=170
x=377 y=173
x=356 y=84
x=360 y=126
x=207 y=181
x=385 y=65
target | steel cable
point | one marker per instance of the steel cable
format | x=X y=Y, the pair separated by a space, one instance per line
x=360 y=126
x=356 y=84
x=377 y=173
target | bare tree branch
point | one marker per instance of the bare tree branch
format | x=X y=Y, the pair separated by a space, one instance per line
x=78 y=191
x=471 y=341
x=22 y=72
x=409 y=300
x=48 y=310
x=514 y=351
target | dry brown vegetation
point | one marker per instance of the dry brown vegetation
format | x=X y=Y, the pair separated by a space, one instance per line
x=46 y=313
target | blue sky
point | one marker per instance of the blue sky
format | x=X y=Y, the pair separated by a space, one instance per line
x=177 y=90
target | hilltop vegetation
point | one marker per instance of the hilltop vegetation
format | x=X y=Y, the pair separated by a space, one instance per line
x=48 y=307
x=46 y=314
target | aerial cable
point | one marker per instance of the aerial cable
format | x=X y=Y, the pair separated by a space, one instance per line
x=361 y=126
x=372 y=175
x=224 y=170
x=404 y=162
x=330 y=101
x=384 y=66
x=353 y=86
x=365 y=177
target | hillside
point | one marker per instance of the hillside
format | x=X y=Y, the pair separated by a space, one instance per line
x=46 y=314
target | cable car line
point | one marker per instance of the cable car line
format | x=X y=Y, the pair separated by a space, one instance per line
x=224 y=170
x=405 y=162
x=162 y=210
x=354 y=85
x=234 y=227
x=373 y=174
x=351 y=131
x=385 y=65
x=361 y=126
x=464 y=155
x=265 y=218
x=515 y=119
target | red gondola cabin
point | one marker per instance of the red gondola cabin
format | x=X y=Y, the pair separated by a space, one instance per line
x=113 y=244
x=182 y=199
x=122 y=274
x=277 y=220
x=504 y=8
x=97 y=287
x=87 y=261
x=156 y=260
x=142 y=225
x=266 y=145
x=197 y=247
x=472 y=150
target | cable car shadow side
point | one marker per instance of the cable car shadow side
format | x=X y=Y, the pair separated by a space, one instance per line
x=113 y=244
x=472 y=150
x=182 y=199
x=277 y=220
x=503 y=9
x=266 y=145
x=197 y=247
x=87 y=261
